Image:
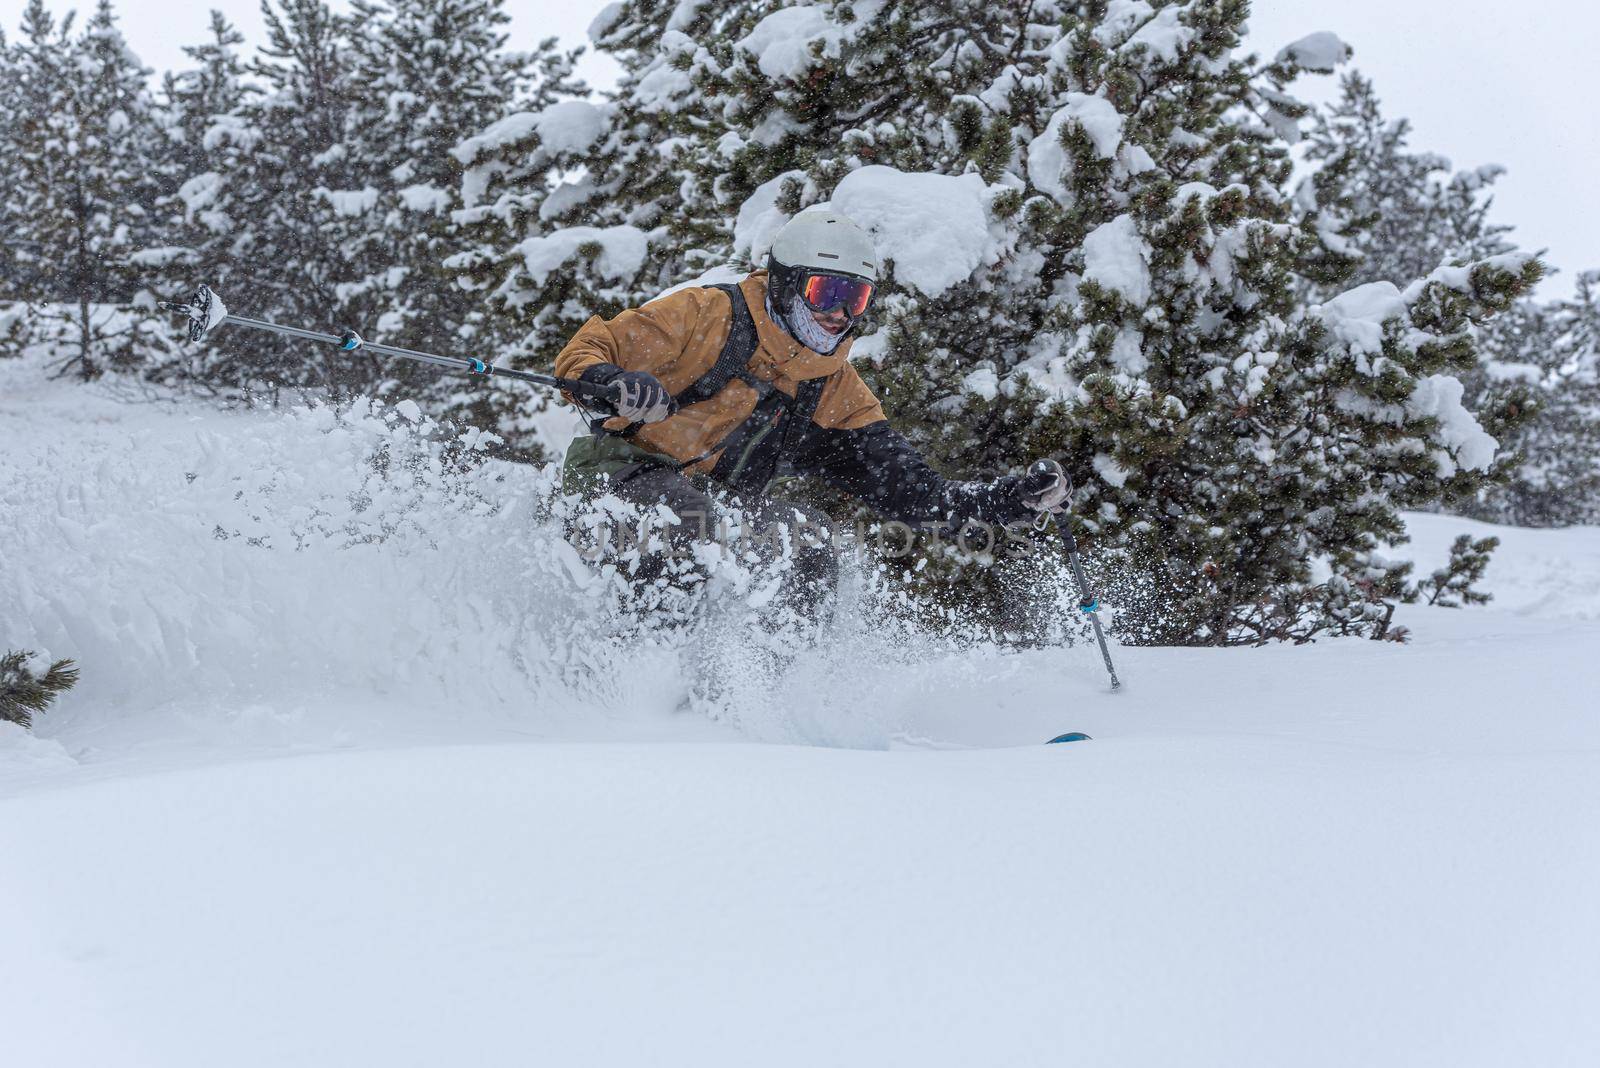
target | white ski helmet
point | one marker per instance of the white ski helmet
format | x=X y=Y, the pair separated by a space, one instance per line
x=819 y=242
x=826 y=242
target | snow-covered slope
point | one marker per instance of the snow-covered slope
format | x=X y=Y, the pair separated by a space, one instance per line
x=350 y=804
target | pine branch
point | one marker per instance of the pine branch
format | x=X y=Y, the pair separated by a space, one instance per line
x=1452 y=585
x=24 y=694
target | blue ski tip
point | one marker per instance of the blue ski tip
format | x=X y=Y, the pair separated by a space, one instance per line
x=1070 y=736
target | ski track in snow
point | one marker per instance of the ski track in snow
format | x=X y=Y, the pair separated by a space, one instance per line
x=346 y=806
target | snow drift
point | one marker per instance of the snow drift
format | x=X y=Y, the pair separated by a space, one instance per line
x=297 y=811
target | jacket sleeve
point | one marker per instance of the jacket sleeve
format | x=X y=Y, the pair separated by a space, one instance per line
x=879 y=467
x=664 y=338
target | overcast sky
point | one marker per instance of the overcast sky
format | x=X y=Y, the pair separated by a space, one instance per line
x=1482 y=82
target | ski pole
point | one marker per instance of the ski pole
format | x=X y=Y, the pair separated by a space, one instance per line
x=205 y=312
x=1088 y=603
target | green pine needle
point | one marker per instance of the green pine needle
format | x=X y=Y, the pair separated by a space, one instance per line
x=24 y=694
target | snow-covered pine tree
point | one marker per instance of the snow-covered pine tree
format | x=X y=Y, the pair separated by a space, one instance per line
x=1403 y=213
x=196 y=239
x=13 y=311
x=270 y=227
x=195 y=100
x=429 y=71
x=84 y=187
x=581 y=208
x=1580 y=326
x=1579 y=375
x=1407 y=212
x=37 y=87
x=1091 y=252
x=1243 y=446
x=10 y=115
x=1557 y=478
x=193 y=104
x=325 y=193
x=1410 y=214
x=674 y=164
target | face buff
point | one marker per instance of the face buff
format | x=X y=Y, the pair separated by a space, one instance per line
x=805 y=329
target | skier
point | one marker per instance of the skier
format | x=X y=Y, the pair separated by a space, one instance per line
x=739 y=385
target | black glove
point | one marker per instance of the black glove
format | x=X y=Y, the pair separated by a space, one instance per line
x=1046 y=487
x=637 y=396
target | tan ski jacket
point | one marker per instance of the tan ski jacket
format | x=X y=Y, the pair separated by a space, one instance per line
x=786 y=411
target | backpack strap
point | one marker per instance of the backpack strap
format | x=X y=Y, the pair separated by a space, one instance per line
x=734 y=359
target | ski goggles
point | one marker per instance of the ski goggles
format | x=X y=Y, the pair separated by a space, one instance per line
x=825 y=292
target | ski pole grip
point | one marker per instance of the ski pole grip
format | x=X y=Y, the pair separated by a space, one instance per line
x=594 y=391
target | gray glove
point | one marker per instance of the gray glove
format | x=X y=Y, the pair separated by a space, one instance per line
x=1046 y=487
x=637 y=396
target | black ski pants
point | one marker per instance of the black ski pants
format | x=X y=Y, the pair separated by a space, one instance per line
x=768 y=531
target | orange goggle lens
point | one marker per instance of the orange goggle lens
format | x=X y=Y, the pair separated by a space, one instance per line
x=825 y=292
